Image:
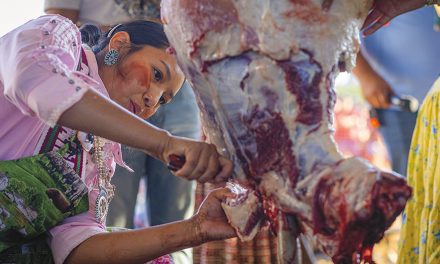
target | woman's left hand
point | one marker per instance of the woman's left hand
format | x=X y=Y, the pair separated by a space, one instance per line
x=210 y=220
x=202 y=161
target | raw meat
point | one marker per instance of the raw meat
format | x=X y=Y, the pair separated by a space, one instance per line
x=263 y=73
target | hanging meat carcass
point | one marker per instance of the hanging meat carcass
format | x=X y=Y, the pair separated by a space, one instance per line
x=263 y=73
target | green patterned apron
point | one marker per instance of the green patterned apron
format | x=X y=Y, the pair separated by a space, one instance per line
x=37 y=193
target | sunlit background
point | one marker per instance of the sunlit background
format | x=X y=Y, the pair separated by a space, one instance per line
x=16 y=12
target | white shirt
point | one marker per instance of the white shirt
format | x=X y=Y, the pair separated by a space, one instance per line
x=108 y=12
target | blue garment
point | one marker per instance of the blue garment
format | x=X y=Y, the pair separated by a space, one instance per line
x=406 y=53
x=397 y=129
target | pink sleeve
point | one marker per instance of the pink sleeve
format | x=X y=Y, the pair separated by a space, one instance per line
x=66 y=236
x=39 y=69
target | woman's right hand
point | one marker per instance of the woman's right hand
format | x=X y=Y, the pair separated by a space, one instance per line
x=384 y=10
x=202 y=161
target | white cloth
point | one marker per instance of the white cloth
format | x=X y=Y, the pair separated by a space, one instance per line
x=107 y=12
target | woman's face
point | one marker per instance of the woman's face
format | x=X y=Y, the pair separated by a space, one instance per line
x=144 y=80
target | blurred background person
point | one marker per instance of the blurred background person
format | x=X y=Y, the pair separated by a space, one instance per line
x=168 y=198
x=400 y=59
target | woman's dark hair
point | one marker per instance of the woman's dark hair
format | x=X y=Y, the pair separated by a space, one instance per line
x=141 y=32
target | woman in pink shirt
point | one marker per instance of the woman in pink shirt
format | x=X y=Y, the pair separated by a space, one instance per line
x=52 y=86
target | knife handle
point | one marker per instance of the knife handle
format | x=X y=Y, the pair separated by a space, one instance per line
x=176 y=162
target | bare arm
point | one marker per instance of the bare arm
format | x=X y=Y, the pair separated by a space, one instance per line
x=69 y=13
x=136 y=246
x=374 y=88
x=363 y=69
x=98 y=115
x=139 y=246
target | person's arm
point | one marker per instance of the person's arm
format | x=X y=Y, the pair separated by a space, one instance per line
x=139 y=246
x=374 y=88
x=98 y=115
x=384 y=10
x=71 y=14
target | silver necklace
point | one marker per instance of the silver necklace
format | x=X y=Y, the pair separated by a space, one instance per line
x=105 y=188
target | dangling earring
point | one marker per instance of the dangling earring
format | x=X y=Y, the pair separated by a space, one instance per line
x=111 y=57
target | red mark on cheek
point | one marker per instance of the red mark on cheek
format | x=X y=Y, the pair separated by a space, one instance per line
x=141 y=73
